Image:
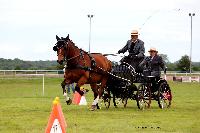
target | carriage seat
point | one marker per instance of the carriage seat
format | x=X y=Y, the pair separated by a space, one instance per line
x=151 y=79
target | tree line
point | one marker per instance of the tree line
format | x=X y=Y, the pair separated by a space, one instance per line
x=182 y=65
x=17 y=64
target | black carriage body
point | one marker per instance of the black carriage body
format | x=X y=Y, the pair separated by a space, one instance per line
x=120 y=82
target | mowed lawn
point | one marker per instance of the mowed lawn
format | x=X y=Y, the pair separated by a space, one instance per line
x=23 y=109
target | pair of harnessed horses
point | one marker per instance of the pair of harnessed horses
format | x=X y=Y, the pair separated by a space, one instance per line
x=83 y=68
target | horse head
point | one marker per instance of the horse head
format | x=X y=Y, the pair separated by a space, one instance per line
x=60 y=47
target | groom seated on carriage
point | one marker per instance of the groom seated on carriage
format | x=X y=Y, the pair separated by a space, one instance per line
x=152 y=66
x=136 y=50
x=153 y=63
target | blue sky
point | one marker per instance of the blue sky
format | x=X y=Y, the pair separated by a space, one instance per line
x=28 y=27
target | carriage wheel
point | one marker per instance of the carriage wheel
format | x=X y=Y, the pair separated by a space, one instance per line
x=143 y=96
x=164 y=96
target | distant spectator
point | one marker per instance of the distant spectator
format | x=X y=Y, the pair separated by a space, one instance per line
x=68 y=88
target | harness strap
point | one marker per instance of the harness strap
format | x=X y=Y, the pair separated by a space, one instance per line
x=84 y=67
x=81 y=54
x=73 y=58
x=93 y=62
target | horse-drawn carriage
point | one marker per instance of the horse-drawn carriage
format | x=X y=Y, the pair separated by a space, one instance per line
x=118 y=80
x=121 y=87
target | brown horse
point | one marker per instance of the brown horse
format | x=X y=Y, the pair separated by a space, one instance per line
x=83 y=68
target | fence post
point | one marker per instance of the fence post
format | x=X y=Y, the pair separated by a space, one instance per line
x=43 y=84
x=190 y=79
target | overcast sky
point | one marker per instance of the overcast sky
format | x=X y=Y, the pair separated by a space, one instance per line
x=28 y=27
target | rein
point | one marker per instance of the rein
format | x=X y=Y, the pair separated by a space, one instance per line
x=76 y=56
x=81 y=54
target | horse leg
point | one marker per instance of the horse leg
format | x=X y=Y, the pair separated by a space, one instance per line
x=94 y=88
x=81 y=82
x=99 y=93
x=114 y=102
x=63 y=87
x=102 y=86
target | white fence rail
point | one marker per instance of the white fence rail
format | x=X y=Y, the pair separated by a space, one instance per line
x=171 y=75
x=14 y=72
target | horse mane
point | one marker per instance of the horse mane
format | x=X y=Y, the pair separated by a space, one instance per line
x=68 y=39
x=81 y=48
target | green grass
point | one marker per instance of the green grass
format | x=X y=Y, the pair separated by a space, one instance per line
x=23 y=109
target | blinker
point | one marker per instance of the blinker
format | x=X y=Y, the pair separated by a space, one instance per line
x=55 y=48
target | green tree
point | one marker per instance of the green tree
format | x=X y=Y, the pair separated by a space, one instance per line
x=171 y=66
x=17 y=68
x=195 y=68
x=184 y=63
x=165 y=58
x=60 y=67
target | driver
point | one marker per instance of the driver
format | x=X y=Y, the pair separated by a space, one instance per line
x=136 y=50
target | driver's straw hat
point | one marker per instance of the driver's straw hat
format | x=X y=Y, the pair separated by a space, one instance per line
x=152 y=49
x=134 y=33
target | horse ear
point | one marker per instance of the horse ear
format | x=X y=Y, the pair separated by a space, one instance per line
x=57 y=38
x=67 y=38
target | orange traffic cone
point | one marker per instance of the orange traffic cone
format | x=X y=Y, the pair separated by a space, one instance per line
x=76 y=98
x=83 y=101
x=56 y=123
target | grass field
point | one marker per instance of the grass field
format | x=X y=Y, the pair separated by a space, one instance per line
x=23 y=109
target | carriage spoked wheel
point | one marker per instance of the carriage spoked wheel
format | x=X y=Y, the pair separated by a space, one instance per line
x=164 y=96
x=143 y=96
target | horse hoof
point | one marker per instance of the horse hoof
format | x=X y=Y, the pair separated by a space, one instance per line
x=69 y=102
x=93 y=108
x=98 y=106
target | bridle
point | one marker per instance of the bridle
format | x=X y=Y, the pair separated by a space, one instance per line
x=63 y=43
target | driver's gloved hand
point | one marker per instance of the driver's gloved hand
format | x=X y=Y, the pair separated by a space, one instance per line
x=119 y=52
x=129 y=56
